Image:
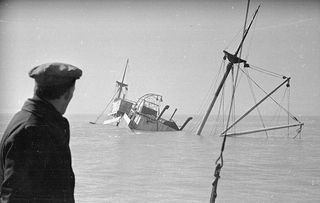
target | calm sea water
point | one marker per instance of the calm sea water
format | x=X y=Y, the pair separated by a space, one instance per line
x=114 y=164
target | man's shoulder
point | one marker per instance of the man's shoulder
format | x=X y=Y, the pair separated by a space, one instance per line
x=23 y=121
x=27 y=119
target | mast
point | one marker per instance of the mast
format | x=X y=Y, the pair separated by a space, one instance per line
x=233 y=99
x=205 y=118
x=233 y=59
x=220 y=165
x=121 y=84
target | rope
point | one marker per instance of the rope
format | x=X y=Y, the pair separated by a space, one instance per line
x=201 y=108
x=298 y=132
x=255 y=101
x=282 y=101
x=105 y=108
x=221 y=106
x=262 y=70
x=233 y=40
x=232 y=101
x=215 y=184
x=288 y=105
x=217 y=172
x=292 y=116
x=250 y=40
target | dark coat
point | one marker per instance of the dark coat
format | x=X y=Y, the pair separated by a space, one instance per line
x=35 y=158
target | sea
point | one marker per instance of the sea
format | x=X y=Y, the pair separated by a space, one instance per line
x=116 y=164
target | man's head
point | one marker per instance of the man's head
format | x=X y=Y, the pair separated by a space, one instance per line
x=55 y=82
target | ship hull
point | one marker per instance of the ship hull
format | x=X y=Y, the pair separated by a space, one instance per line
x=145 y=123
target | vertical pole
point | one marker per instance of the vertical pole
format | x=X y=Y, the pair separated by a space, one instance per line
x=240 y=53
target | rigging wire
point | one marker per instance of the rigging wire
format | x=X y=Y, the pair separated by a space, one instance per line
x=105 y=108
x=233 y=40
x=201 y=108
x=277 y=118
x=232 y=100
x=221 y=110
x=255 y=101
x=288 y=106
x=262 y=70
x=299 y=130
x=241 y=30
x=292 y=116
x=232 y=103
x=250 y=40
x=244 y=31
x=221 y=106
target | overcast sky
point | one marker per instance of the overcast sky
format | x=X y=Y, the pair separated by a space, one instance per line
x=174 y=47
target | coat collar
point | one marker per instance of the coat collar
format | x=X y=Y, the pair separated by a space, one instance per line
x=42 y=108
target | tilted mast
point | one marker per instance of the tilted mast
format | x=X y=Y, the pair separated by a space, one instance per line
x=233 y=59
x=122 y=84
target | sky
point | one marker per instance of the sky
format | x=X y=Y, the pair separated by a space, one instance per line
x=174 y=48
